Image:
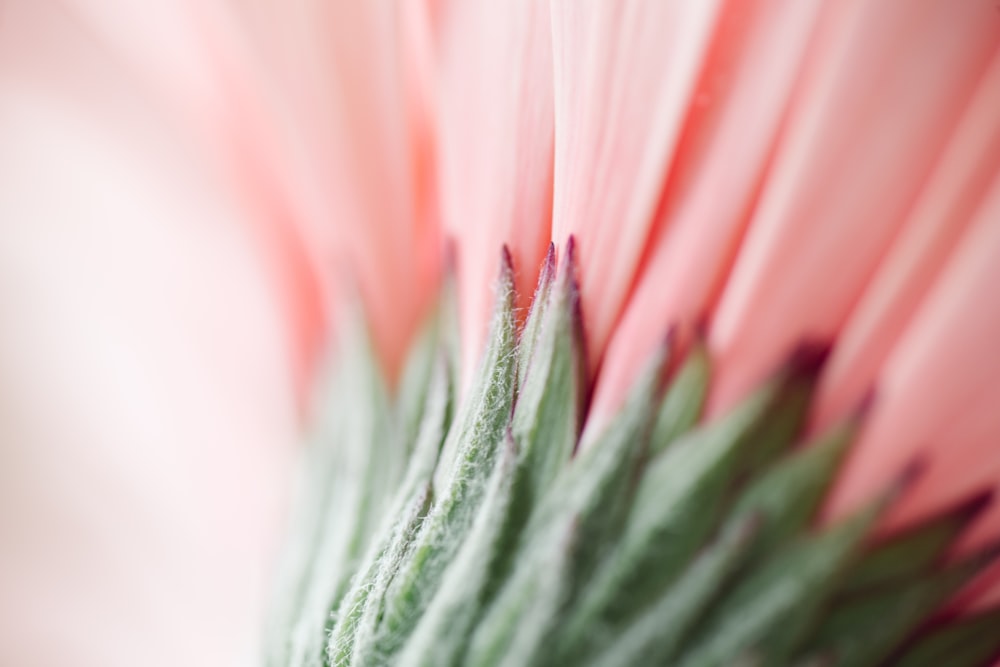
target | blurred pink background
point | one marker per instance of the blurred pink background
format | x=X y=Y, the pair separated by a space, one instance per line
x=148 y=409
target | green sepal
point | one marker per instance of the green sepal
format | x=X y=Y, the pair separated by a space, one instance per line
x=972 y=641
x=435 y=347
x=816 y=661
x=774 y=605
x=357 y=458
x=787 y=495
x=547 y=419
x=516 y=630
x=680 y=497
x=914 y=551
x=797 y=377
x=597 y=486
x=440 y=637
x=656 y=634
x=356 y=624
x=548 y=413
x=536 y=314
x=353 y=635
x=461 y=477
x=863 y=631
x=589 y=499
x=662 y=542
x=684 y=399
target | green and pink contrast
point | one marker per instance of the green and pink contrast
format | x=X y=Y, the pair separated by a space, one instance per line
x=731 y=397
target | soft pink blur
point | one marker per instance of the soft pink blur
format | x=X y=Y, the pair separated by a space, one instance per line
x=148 y=398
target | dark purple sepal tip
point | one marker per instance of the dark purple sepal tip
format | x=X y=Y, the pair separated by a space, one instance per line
x=807 y=359
x=506 y=262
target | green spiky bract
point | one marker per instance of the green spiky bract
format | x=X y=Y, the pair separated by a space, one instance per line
x=438 y=531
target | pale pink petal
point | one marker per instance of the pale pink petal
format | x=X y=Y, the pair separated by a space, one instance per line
x=625 y=73
x=938 y=387
x=147 y=411
x=340 y=66
x=959 y=181
x=194 y=59
x=885 y=87
x=309 y=103
x=496 y=133
x=716 y=173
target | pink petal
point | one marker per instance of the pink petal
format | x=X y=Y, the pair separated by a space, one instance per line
x=496 y=129
x=340 y=67
x=194 y=59
x=941 y=214
x=734 y=118
x=939 y=387
x=883 y=90
x=625 y=73
x=309 y=103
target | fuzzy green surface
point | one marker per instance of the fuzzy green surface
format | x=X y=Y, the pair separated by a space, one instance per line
x=436 y=532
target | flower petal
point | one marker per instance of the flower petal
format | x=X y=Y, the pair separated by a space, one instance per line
x=496 y=133
x=624 y=76
x=742 y=96
x=358 y=131
x=195 y=60
x=937 y=391
x=883 y=91
x=309 y=103
x=960 y=180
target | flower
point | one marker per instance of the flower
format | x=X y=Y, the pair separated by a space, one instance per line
x=766 y=172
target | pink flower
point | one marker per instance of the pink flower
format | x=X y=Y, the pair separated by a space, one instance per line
x=224 y=177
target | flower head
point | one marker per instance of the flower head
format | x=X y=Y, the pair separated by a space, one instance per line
x=759 y=178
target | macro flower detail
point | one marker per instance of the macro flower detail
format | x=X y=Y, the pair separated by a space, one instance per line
x=653 y=460
x=669 y=540
x=633 y=332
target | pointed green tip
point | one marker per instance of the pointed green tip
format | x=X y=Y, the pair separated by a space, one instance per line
x=506 y=277
x=665 y=536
